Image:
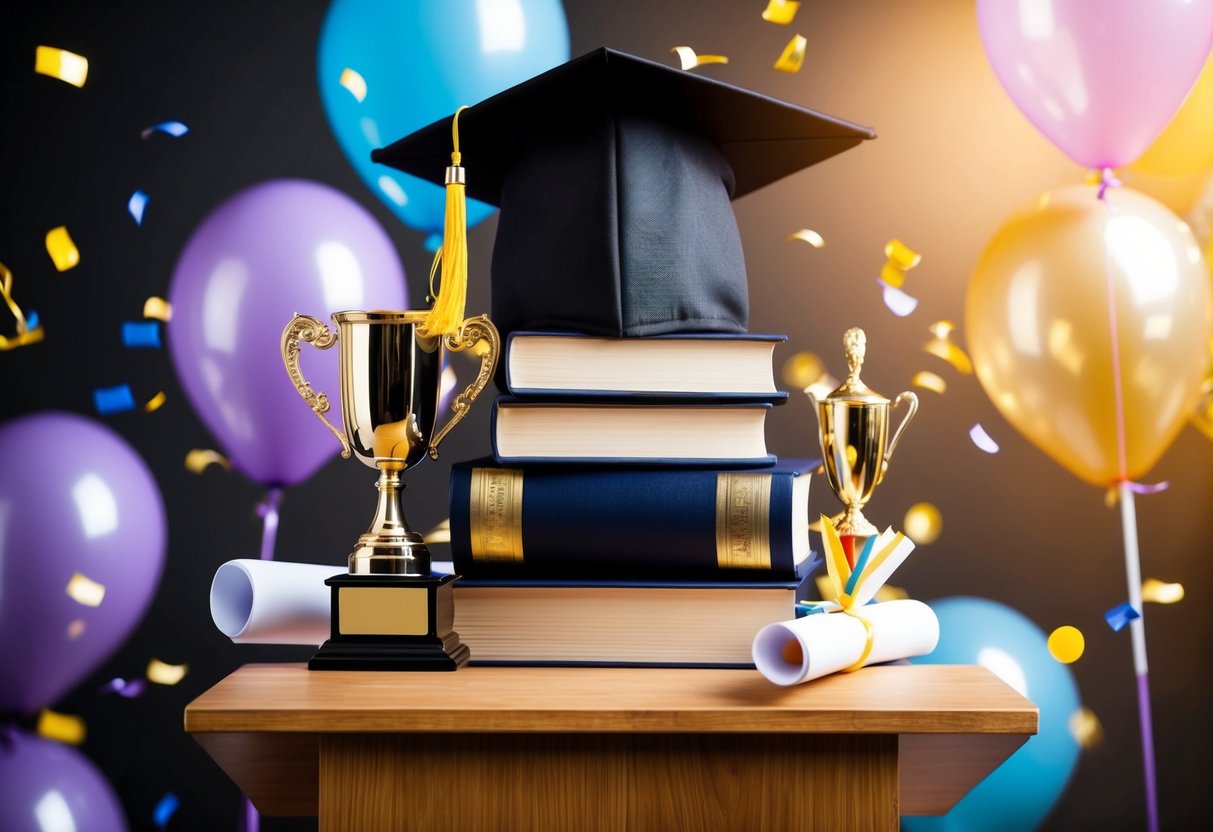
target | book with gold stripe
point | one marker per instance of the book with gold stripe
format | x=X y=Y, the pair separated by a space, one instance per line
x=554 y=521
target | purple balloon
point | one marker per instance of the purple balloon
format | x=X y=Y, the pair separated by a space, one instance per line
x=82 y=535
x=272 y=250
x=45 y=785
x=1100 y=78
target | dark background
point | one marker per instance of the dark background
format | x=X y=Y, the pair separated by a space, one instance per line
x=953 y=160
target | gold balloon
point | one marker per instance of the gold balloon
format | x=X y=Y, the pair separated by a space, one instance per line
x=1039 y=329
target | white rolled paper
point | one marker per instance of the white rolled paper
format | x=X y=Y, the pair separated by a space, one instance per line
x=791 y=652
x=272 y=602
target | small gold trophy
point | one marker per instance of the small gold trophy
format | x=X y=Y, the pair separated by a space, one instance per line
x=389 y=612
x=853 y=426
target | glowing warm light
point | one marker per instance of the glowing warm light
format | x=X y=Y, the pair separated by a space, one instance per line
x=929 y=381
x=162 y=673
x=809 y=236
x=1085 y=728
x=1157 y=592
x=84 y=590
x=354 y=83
x=96 y=505
x=61 y=64
x=923 y=523
x=802 y=369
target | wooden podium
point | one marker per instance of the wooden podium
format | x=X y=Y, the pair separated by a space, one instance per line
x=608 y=748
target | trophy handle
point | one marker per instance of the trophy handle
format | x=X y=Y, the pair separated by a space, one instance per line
x=316 y=333
x=471 y=332
x=912 y=398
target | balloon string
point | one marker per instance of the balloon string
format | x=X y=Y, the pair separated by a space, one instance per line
x=267 y=510
x=1107 y=179
x=1137 y=632
x=1122 y=464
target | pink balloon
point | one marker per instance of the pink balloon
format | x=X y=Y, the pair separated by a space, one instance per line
x=1100 y=78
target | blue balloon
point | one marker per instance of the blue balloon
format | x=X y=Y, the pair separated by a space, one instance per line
x=1018 y=794
x=417 y=61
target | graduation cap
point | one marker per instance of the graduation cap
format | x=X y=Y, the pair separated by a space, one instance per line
x=614 y=176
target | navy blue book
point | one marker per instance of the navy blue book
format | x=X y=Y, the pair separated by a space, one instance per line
x=709 y=366
x=563 y=521
x=670 y=433
x=619 y=623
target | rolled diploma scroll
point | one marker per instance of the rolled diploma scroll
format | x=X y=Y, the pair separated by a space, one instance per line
x=791 y=652
x=272 y=602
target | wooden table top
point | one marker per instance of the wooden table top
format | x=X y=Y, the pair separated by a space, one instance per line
x=900 y=699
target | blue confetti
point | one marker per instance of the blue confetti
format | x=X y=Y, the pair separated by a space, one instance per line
x=1120 y=615
x=171 y=128
x=31 y=320
x=136 y=204
x=113 y=399
x=164 y=810
x=141 y=334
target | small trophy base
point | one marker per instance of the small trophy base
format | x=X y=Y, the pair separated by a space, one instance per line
x=392 y=622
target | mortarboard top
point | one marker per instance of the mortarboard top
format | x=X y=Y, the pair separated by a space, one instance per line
x=614 y=176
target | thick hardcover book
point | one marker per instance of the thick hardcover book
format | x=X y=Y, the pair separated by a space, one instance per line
x=710 y=624
x=556 y=520
x=693 y=366
x=694 y=434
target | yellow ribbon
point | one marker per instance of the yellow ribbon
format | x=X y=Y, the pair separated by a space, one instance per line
x=24 y=335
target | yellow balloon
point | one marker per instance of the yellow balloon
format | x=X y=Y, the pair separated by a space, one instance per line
x=1186 y=144
x=1038 y=323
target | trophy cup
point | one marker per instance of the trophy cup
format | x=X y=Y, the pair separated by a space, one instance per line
x=853 y=426
x=389 y=612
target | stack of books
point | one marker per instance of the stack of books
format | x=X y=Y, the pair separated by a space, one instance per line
x=632 y=513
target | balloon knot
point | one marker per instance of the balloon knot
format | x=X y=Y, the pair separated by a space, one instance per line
x=1107 y=179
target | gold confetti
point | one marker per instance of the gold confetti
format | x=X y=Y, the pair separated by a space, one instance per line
x=354 y=82
x=780 y=11
x=1066 y=644
x=64 y=728
x=197 y=460
x=792 y=57
x=892 y=275
x=809 y=236
x=929 y=381
x=155 y=403
x=802 y=369
x=76 y=629
x=688 y=58
x=26 y=334
x=942 y=329
x=1085 y=728
x=85 y=591
x=440 y=533
x=62 y=250
x=891 y=593
x=902 y=255
x=1155 y=591
x=923 y=523
x=158 y=308
x=162 y=673
x=950 y=353
x=61 y=64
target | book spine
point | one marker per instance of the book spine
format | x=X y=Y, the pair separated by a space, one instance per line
x=622 y=524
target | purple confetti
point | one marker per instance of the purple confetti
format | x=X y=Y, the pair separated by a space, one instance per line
x=127 y=689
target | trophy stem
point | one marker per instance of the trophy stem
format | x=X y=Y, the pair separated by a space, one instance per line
x=389 y=546
x=852 y=522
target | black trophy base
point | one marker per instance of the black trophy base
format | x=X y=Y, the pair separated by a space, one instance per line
x=392 y=622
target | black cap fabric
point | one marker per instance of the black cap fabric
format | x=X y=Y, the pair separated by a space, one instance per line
x=614 y=176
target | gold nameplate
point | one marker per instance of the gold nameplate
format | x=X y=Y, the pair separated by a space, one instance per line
x=743 y=521
x=496 y=515
x=383 y=611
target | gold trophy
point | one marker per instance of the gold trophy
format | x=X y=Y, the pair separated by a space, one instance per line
x=853 y=424
x=389 y=612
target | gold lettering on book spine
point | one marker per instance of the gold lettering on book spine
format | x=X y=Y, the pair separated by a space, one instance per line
x=496 y=515
x=743 y=521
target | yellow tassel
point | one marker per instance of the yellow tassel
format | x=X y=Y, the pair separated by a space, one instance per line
x=446 y=317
